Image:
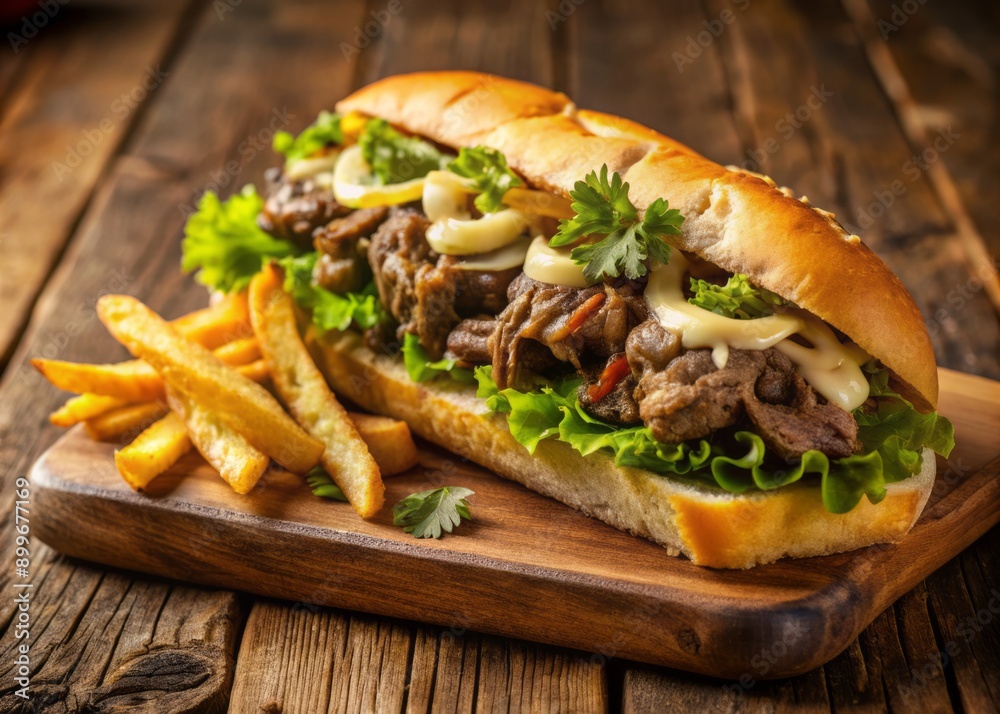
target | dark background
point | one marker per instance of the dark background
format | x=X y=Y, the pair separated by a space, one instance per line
x=115 y=116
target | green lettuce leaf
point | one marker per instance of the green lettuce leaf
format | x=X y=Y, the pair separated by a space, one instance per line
x=737 y=298
x=893 y=435
x=223 y=242
x=395 y=158
x=421 y=369
x=323 y=132
x=330 y=311
x=489 y=173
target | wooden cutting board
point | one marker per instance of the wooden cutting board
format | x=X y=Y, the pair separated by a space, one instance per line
x=528 y=566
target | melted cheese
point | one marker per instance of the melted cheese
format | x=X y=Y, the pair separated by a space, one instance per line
x=552 y=265
x=354 y=185
x=830 y=367
x=319 y=168
x=510 y=256
x=453 y=231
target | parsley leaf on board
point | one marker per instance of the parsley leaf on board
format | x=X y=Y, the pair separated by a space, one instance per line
x=323 y=486
x=489 y=173
x=421 y=369
x=322 y=133
x=738 y=298
x=602 y=207
x=394 y=157
x=330 y=311
x=428 y=514
x=223 y=242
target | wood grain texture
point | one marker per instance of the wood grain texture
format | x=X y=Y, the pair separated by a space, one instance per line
x=307 y=658
x=45 y=189
x=529 y=567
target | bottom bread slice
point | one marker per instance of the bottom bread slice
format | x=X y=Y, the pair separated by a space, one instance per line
x=709 y=525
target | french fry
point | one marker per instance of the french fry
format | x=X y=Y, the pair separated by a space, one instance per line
x=245 y=406
x=389 y=441
x=83 y=407
x=306 y=394
x=214 y=326
x=154 y=451
x=132 y=418
x=240 y=464
x=238 y=352
x=255 y=371
x=132 y=381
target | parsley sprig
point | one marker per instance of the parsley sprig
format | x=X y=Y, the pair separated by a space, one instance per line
x=602 y=207
x=738 y=298
x=489 y=173
x=428 y=514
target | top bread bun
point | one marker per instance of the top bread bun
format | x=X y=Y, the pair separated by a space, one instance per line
x=739 y=222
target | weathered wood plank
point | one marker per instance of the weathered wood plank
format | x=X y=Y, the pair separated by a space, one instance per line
x=938 y=68
x=303 y=658
x=62 y=122
x=508 y=37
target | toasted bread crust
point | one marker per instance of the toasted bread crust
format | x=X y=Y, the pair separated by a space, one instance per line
x=734 y=220
x=707 y=524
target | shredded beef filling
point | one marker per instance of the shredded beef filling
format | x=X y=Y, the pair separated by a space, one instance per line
x=343 y=249
x=426 y=293
x=294 y=209
x=633 y=370
x=691 y=398
x=576 y=325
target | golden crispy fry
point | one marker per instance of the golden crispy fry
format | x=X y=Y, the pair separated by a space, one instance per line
x=131 y=419
x=154 y=451
x=83 y=407
x=225 y=450
x=255 y=371
x=238 y=352
x=245 y=406
x=133 y=381
x=389 y=441
x=541 y=203
x=212 y=327
x=306 y=394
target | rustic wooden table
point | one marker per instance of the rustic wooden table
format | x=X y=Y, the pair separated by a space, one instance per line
x=115 y=115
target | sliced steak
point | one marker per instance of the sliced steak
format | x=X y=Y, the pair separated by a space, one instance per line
x=691 y=398
x=568 y=321
x=340 y=232
x=469 y=341
x=294 y=209
x=607 y=392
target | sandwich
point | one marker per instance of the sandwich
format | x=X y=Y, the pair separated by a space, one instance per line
x=583 y=305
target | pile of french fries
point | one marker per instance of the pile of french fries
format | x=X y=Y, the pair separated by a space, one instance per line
x=212 y=380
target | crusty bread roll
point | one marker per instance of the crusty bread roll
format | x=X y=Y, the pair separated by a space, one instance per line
x=707 y=524
x=740 y=222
